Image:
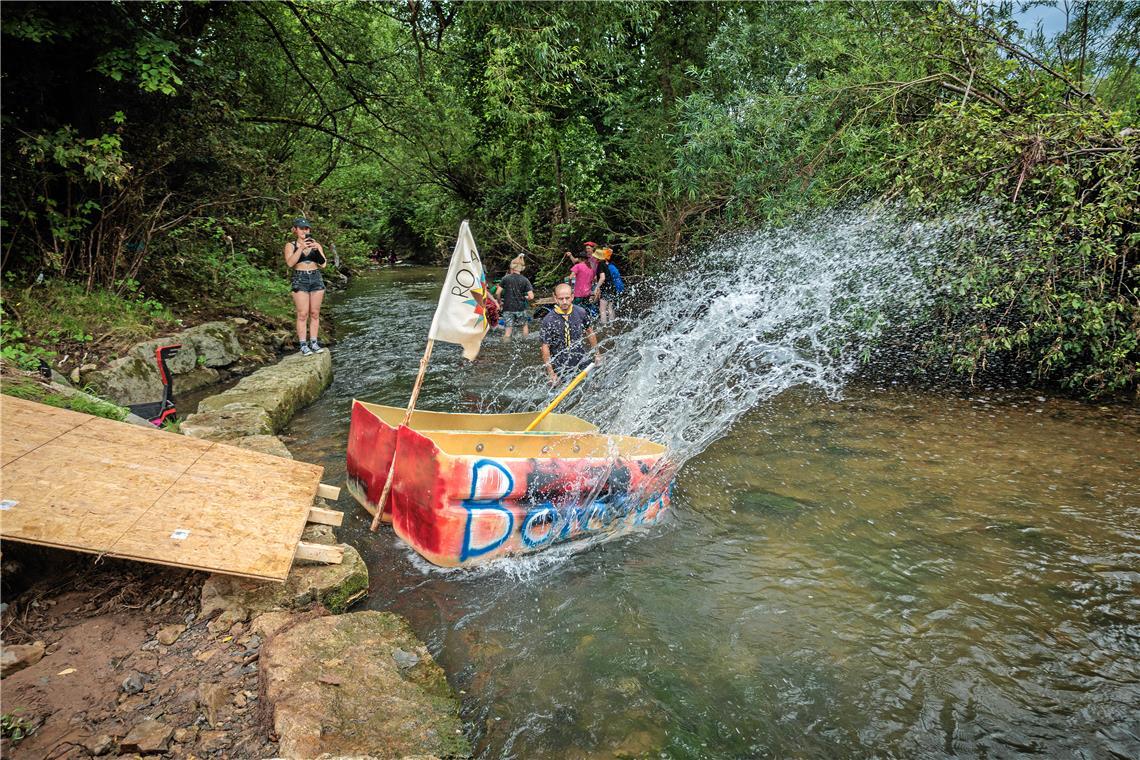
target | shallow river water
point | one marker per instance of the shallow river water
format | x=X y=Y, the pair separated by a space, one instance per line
x=893 y=574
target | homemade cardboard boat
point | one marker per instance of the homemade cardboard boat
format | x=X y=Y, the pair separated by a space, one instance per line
x=469 y=488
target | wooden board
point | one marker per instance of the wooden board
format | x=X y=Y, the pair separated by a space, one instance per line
x=26 y=428
x=89 y=484
x=326 y=517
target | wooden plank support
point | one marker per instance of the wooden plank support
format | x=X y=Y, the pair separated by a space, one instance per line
x=329 y=555
x=82 y=483
x=332 y=493
x=326 y=516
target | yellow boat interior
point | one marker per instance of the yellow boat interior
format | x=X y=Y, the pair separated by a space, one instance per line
x=500 y=435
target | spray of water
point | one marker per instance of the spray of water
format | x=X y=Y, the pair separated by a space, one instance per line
x=757 y=314
x=521 y=568
x=738 y=323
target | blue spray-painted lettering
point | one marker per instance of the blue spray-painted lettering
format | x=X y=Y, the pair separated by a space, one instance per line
x=540 y=526
x=477 y=507
x=546 y=522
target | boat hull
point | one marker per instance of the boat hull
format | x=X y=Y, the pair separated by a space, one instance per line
x=463 y=497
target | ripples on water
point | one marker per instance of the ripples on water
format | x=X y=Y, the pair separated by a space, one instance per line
x=877 y=572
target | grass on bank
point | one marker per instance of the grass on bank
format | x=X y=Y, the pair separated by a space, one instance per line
x=59 y=322
x=31 y=390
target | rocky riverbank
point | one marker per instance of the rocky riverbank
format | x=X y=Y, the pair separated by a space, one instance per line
x=115 y=658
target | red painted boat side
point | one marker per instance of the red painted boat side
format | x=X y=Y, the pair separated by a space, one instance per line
x=370 y=446
x=460 y=509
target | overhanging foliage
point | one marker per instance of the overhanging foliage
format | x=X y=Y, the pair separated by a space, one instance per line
x=152 y=145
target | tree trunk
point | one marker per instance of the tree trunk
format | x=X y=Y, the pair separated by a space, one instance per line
x=561 y=187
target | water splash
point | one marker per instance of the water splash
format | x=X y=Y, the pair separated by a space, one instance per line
x=760 y=313
x=519 y=568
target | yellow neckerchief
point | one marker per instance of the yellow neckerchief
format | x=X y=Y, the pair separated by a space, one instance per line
x=565 y=323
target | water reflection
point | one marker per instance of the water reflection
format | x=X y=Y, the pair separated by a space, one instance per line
x=890 y=574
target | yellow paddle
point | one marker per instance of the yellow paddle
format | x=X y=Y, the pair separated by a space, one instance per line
x=558 y=399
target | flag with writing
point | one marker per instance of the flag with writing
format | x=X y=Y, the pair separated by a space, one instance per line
x=460 y=316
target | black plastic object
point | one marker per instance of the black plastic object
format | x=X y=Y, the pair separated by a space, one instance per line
x=159 y=412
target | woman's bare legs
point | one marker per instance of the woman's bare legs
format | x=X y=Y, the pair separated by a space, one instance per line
x=301 y=301
x=315 y=300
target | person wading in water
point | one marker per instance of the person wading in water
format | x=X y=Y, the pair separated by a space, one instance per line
x=516 y=291
x=564 y=331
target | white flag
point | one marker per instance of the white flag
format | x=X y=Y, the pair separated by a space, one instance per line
x=460 y=317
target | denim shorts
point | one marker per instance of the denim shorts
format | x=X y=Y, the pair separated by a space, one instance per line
x=307 y=281
x=512 y=318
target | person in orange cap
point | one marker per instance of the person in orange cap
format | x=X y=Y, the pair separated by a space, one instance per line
x=610 y=289
x=597 y=262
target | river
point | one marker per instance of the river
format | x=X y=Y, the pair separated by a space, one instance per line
x=874 y=571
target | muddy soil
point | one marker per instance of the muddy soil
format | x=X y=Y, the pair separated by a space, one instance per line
x=107 y=684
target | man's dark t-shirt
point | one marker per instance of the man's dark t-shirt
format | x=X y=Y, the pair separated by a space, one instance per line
x=566 y=355
x=515 y=287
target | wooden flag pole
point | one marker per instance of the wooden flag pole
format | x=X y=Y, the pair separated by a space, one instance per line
x=558 y=399
x=407 y=418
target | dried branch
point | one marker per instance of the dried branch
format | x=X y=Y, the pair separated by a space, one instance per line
x=293 y=63
x=1021 y=53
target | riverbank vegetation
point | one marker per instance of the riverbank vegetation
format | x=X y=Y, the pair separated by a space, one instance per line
x=27 y=386
x=154 y=152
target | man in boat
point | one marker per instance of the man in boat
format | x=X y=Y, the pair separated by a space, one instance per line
x=565 y=331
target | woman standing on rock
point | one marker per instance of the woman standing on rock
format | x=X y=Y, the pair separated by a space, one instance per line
x=306 y=258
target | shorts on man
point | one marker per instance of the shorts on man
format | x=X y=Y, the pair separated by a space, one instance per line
x=515 y=318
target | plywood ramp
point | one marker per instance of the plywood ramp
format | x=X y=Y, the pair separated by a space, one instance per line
x=74 y=481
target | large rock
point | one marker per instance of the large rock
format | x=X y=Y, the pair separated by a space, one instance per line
x=266 y=444
x=16 y=657
x=333 y=686
x=215 y=343
x=134 y=379
x=232 y=422
x=280 y=390
x=331 y=585
x=183 y=361
x=199 y=377
x=211 y=344
x=129 y=380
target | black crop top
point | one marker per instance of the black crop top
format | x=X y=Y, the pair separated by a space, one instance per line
x=312 y=255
